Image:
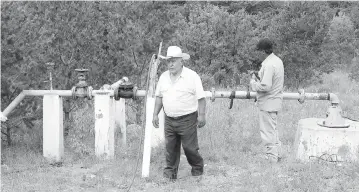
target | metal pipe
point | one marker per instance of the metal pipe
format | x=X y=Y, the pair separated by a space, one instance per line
x=142 y=93
x=119 y=82
x=14 y=103
x=286 y=96
x=226 y=94
x=218 y=94
x=63 y=93
x=333 y=99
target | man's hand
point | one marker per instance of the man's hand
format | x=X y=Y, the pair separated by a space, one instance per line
x=155 y=121
x=252 y=82
x=201 y=120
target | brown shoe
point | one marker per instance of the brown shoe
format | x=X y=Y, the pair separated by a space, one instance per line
x=171 y=176
x=197 y=172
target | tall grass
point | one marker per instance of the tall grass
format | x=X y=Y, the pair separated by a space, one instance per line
x=229 y=143
x=235 y=131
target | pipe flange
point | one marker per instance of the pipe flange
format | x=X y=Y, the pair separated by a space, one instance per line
x=301 y=96
x=334 y=118
x=89 y=92
x=135 y=88
x=73 y=92
x=116 y=95
x=248 y=95
x=231 y=97
x=213 y=91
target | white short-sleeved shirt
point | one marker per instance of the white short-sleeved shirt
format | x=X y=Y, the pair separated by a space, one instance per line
x=180 y=97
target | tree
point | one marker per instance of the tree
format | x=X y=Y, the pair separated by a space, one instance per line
x=340 y=42
x=299 y=30
x=112 y=39
x=219 y=42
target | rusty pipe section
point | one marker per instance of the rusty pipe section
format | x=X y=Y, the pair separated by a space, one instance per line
x=119 y=82
x=286 y=96
x=142 y=93
x=14 y=103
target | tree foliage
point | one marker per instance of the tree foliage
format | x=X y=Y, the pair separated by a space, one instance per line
x=115 y=39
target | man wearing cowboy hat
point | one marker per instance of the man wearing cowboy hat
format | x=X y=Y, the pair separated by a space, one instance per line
x=179 y=91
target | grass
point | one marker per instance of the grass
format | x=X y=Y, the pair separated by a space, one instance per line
x=229 y=143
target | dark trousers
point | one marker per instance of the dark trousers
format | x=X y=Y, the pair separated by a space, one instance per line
x=182 y=130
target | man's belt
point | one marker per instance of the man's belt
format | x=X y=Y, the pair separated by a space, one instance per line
x=181 y=117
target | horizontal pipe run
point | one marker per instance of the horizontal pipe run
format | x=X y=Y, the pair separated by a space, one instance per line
x=142 y=93
x=252 y=95
x=62 y=93
x=218 y=94
x=14 y=103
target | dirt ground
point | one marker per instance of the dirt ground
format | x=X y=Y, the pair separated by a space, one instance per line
x=248 y=173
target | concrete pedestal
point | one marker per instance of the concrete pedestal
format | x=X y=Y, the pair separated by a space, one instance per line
x=120 y=120
x=313 y=142
x=53 y=135
x=104 y=126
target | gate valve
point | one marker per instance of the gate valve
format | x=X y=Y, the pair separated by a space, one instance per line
x=125 y=90
x=81 y=89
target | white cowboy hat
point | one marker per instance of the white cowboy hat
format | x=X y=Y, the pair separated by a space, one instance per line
x=174 y=51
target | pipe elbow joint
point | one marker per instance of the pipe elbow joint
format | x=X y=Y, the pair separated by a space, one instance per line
x=334 y=100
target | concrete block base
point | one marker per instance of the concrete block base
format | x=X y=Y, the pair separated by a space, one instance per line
x=313 y=142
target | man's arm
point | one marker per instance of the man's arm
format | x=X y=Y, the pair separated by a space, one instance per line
x=201 y=97
x=201 y=112
x=265 y=84
x=202 y=106
x=158 y=103
x=158 y=107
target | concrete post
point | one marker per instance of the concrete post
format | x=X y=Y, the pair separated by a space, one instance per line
x=150 y=104
x=104 y=125
x=120 y=119
x=53 y=136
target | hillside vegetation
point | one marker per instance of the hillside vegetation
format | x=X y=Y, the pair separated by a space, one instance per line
x=318 y=42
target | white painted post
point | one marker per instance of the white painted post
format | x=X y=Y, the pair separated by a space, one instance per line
x=104 y=125
x=120 y=119
x=150 y=104
x=53 y=135
x=120 y=112
x=148 y=134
